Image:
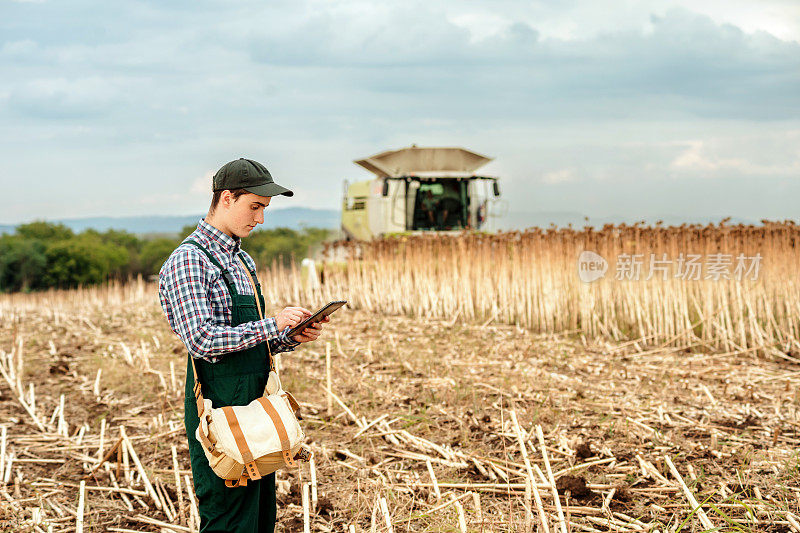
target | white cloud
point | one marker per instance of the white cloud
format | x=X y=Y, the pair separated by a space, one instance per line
x=564 y=175
x=202 y=185
x=780 y=18
x=481 y=25
x=694 y=158
x=19 y=49
x=754 y=156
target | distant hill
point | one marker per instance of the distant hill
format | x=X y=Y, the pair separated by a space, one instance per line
x=289 y=217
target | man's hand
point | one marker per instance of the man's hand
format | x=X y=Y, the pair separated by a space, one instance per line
x=311 y=332
x=291 y=316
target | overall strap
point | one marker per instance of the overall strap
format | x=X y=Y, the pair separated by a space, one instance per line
x=253 y=279
x=226 y=276
x=251 y=276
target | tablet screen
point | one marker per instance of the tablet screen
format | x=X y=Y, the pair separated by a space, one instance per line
x=316 y=317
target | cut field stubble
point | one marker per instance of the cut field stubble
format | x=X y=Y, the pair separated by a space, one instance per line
x=438 y=412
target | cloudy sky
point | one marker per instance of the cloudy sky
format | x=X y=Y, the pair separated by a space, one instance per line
x=690 y=108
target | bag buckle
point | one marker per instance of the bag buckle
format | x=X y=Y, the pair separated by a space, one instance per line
x=233 y=483
x=252 y=470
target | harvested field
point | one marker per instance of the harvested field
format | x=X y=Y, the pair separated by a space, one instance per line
x=436 y=425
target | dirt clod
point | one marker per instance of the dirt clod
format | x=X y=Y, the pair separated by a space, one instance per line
x=583 y=450
x=576 y=486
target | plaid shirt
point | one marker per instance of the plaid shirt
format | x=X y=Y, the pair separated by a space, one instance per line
x=197 y=303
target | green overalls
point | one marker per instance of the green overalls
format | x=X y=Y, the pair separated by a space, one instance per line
x=237 y=378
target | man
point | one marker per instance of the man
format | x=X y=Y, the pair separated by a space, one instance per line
x=428 y=206
x=210 y=303
x=449 y=203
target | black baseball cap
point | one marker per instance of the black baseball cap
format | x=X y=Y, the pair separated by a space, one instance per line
x=249 y=175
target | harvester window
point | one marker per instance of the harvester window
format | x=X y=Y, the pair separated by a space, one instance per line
x=356 y=203
x=436 y=188
x=441 y=205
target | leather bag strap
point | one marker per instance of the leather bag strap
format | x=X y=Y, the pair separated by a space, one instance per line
x=241 y=443
x=228 y=279
x=198 y=393
x=286 y=449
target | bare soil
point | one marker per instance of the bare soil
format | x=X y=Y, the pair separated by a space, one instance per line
x=424 y=396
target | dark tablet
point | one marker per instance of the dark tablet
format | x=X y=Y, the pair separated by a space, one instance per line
x=316 y=317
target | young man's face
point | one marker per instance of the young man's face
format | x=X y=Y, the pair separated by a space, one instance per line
x=244 y=213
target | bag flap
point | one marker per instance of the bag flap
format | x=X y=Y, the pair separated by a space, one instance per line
x=257 y=427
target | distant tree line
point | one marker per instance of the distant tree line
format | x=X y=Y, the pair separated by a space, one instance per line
x=42 y=255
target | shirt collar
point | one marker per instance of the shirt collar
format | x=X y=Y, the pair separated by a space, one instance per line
x=223 y=240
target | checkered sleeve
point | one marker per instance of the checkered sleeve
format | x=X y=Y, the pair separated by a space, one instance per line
x=282 y=343
x=185 y=290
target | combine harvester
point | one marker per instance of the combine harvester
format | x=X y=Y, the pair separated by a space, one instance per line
x=418 y=190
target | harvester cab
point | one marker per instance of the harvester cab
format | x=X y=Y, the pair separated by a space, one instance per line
x=420 y=190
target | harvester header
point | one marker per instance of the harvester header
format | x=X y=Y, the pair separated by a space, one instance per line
x=417 y=161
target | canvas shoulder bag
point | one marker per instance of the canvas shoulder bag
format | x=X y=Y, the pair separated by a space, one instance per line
x=247 y=442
